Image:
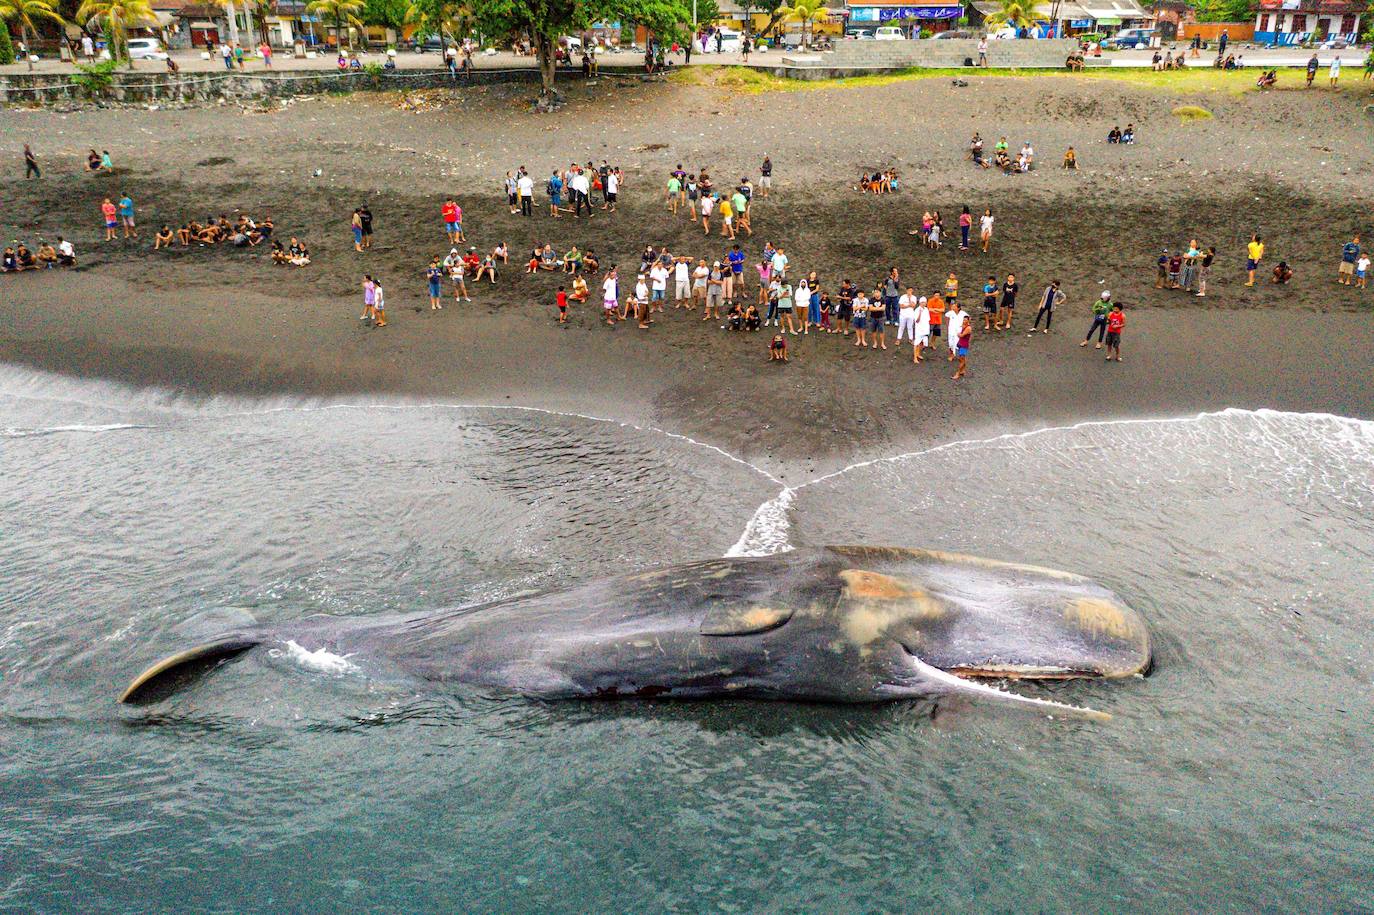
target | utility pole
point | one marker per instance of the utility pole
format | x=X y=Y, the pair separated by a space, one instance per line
x=694 y=17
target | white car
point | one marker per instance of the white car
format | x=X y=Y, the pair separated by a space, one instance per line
x=731 y=42
x=890 y=33
x=1005 y=33
x=146 y=49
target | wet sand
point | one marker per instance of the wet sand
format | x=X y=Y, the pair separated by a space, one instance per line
x=212 y=320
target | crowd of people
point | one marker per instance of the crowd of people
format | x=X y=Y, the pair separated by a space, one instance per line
x=19 y=257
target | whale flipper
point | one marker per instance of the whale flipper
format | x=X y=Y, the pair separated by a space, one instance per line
x=157 y=680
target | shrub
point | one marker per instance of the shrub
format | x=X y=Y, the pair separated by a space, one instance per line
x=1186 y=113
x=95 y=77
x=373 y=70
x=6 y=48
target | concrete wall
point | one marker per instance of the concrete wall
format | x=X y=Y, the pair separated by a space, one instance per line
x=140 y=88
x=868 y=56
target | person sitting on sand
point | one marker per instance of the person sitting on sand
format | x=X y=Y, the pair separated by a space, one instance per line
x=1267 y=79
x=572 y=261
x=207 y=235
x=1071 y=159
x=580 y=292
x=106 y=163
x=777 y=349
x=278 y=253
x=297 y=253
x=751 y=317
x=1003 y=161
x=66 y=254
x=47 y=256
x=184 y=234
x=8 y=262
x=548 y=258
x=25 y=257
x=163 y=238
x=1114 y=135
x=93 y=161
x=591 y=264
x=502 y=253
x=1282 y=273
x=1128 y=135
x=532 y=265
x=486 y=267
x=734 y=318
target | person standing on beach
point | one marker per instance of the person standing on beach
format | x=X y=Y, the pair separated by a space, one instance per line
x=378 y=304
x=525 y=186
x=766 y=176
x=1205 y=270
x=985 y=229
x=435 y=275
x=961 y=348
x=1007 y=310
x=906 y=317
x=1350 y=253
x=110 y=213
x=610 y=294
x=958 y=320
x=965 y=224
x=1335 y=74
x=452 y=220
x=1050 y=298
x=892 y=295
x=369 y=298
x=611 y=189
x=126 y=216
x=356 y=224
x=1116 y=320
x=1100 y=309
x=31 y=163
x=1255 y=253
x=922 y=339
x=1312 y=65
x=365 y=219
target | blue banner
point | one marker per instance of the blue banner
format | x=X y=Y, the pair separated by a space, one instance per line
x=897 y=13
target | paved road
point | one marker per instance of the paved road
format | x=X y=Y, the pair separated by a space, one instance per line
x=406 y=60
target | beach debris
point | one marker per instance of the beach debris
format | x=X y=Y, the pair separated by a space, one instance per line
x=649 y=147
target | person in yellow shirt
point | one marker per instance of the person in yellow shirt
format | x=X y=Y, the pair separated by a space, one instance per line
x=1254 y=253
x=727 y=218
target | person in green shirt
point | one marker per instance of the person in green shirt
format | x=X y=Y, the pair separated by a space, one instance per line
x=674 y=187
x=741 y=206
x=1101 y=307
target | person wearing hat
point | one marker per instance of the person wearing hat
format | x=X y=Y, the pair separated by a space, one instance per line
x=1162 y=269
x=1101 y=308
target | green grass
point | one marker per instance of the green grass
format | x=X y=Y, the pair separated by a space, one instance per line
x=1187 y=113
x=747 y=80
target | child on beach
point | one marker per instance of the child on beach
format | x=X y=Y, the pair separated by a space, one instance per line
x=1362 y=271
x=369 y=296
x=777 y=349
x=1116 y=320
x=1254 y=254
x=378 y=305
x=561 y=300
x=434 y=274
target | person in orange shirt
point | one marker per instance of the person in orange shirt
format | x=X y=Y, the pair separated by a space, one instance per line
x=107 y=210
x=936 y=304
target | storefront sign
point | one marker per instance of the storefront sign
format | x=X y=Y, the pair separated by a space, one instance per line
x=897 y=13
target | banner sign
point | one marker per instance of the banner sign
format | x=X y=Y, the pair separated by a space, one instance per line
x=897 y=13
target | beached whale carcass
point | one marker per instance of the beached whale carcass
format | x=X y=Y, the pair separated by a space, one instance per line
x=842 y=624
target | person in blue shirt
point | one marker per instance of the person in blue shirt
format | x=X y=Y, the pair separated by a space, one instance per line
x=1350 y=253
x=555 y=190
x=126 y=216
x=736 y=260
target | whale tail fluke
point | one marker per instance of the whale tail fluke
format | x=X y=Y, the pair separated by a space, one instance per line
x=174 y=671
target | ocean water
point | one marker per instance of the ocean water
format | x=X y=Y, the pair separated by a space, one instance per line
x=1235 y=777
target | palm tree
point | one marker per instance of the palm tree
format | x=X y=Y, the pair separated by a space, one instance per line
x=1019 y=14
x=451 y=15
x=806 y=11
x=24 y=12
x=340 y=11
x=116 y=17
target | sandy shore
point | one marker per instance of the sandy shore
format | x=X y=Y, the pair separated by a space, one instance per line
x=1292 y=165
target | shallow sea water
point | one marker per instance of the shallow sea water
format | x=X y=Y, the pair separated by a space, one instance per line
x=1234 y=777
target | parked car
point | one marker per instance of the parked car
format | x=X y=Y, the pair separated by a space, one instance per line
x=859 y=34
x=890 y=33
x=1005 y=33
x=432 y=44
x=1130 y=38
x=955 y=33
x=731 y=42
x=146 y=49
x=572 y=43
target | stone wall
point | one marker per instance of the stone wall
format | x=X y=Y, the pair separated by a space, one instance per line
x=869 y=56
x=134 y=87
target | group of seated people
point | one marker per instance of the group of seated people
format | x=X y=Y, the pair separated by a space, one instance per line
x=474 y=265
x=1075 y=61
x=244 y=232
x=1267 y=79
x=746 y=318
x=1024 y=161
x=1229 y=62
x=1167 y=62
x=99 y=161
x=1117 y=135
x=883 y=182
x=575 y=261
x=296 y=253
x=18 y=257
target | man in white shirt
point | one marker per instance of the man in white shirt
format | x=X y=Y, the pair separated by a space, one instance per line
x=682 y=284
x=66 y=254
x=983 y=51
x=611 y=189
x=610 y=293
x=525 y=184
x=922 y=330
x=658 y=277
x=906 y=316
x=581 y=188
